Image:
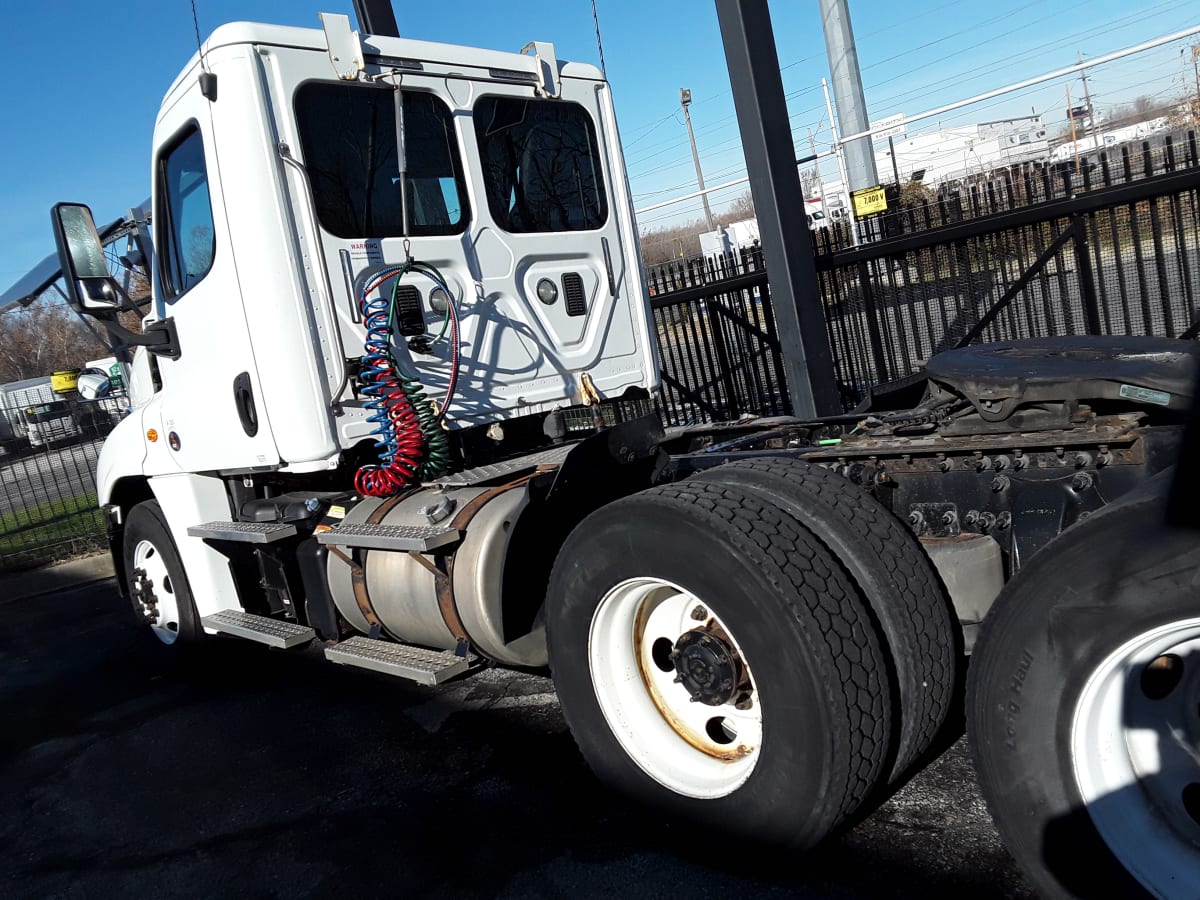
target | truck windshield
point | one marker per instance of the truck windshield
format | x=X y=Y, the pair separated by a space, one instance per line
x=348 y=136
x=541 y=165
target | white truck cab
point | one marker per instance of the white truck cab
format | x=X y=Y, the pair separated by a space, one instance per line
x=372 y=254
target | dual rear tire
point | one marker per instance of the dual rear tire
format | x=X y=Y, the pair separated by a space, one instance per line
x=716 y=656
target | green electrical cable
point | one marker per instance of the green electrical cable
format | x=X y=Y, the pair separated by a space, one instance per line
x=437 y=440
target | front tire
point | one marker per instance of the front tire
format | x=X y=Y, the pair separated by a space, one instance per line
x=713 y=660
x=1084 y=709
x=155 y=578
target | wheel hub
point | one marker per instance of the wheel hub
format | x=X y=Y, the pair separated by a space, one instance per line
x=706 y=666
x=141 y=591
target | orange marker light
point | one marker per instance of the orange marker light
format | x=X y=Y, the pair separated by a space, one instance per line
x=152 y=435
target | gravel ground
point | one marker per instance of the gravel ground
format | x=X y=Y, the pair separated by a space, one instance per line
x=259 y=773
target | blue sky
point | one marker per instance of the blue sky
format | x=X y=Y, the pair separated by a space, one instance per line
x=80 y=81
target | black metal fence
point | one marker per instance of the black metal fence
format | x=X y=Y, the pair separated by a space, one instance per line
x=1110 y=248
x=48 y=450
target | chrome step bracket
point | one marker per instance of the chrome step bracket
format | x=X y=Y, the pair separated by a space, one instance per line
x=421 y=538
x=272 y=632
x=552 y=457
x=247 y=532
x=414 y=663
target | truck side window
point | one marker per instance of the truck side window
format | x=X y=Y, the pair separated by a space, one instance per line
x=348 y=136
x=185 y=215
x=541 y=165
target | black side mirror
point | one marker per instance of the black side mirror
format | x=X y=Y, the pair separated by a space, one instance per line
x=91 y=287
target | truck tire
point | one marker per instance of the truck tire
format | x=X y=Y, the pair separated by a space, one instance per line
x=713 y=660
x=893 y=574
x=1084 y=709
x=155 y=577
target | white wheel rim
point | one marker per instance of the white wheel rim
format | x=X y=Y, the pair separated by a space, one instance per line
x=164 y=616
x=1135 y=747
x=692 y=748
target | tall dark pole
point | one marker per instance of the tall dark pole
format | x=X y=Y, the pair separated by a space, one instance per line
x=779 y=203
x=376 y=17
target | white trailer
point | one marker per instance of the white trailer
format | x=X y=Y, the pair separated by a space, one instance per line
x=394 y=401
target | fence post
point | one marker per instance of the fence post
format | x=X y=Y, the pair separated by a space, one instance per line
x=712 y=308
x=871 y=311
x=1087 y=282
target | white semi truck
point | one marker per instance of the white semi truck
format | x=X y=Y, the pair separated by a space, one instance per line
x=394 y=400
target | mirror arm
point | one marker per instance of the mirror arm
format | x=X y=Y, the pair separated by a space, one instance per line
x=160 y=338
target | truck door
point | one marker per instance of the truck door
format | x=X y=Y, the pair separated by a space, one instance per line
x=549 y=243
x=203 y=420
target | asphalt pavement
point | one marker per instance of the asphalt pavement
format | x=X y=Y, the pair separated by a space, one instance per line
x=243 y=771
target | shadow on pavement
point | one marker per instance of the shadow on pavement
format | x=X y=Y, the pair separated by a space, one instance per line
x=261 y=773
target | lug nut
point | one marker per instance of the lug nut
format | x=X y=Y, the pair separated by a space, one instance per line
x=1081 y=481
x=1000 y=483
x=699 y=613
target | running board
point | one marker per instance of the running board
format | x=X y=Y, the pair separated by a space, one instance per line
x=247 y=532
x=272 y=632
x=421 y=538
x=414 y=663
x=510 y=467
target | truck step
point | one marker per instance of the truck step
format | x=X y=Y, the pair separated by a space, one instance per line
x=421 y=538
x=248 y=532
x=271 y=632
x=414 y=663
x=480 y=474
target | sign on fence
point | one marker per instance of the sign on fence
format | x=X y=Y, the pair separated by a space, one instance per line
x=869 y=201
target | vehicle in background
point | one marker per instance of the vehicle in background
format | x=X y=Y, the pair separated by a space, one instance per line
x=49 y=423
x=729 y=241
x=814 y=211
x=15 y=398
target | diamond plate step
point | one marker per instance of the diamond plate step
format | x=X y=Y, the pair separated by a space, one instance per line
x=468 y=477
x=421 y=538
x=249 y=532
x=271 y=632
x=414 y=663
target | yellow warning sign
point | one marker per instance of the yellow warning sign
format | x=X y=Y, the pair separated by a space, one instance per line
x=869 y=201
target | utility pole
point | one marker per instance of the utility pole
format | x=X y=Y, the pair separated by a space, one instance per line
x=812 y=147
x=848 y=90
x=840 y=154
x=1195 y=104
x=1087 y=98
x=1074 y=142
x=685 y=100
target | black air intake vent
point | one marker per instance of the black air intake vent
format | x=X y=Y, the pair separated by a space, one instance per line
x=572 y=284
x=410 y=317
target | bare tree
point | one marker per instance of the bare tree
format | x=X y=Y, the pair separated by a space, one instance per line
x=42 y=338
x=743 y=207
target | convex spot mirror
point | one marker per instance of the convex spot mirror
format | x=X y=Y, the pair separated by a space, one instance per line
x=90 y=285
x=92 y=384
